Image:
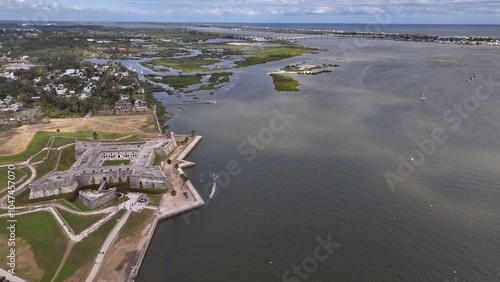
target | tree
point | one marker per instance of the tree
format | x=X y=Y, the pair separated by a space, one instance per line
x=94 y=135
x=57 y=130
x=173 y=193
x=185 y=179
x=192 y=133
x=92 y=181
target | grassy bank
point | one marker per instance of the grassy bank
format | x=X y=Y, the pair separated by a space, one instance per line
x=79 y=222
x=48 y=247
x=68 y=158
x=82 y=256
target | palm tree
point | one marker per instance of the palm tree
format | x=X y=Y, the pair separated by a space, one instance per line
x=185 y=179
x=173 y=193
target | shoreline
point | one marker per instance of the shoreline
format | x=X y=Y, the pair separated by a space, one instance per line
x=163 y=214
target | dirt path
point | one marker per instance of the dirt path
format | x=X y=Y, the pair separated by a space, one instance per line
x=63 y=261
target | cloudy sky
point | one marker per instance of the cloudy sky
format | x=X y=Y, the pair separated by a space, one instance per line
x=268 y=11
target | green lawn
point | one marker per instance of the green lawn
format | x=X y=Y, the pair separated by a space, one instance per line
x=284 y=83
x=85 y=251
x=39 y=157
x=18 y=173
x=67 y=158
x=48 y=165
x=115 y=162
x=79 y=222
x=154 y=200
x=46 y=238
x=79 y=205
x=135 y=223
x=61 y=141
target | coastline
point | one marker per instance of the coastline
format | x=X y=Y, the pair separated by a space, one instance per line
x=164 y=214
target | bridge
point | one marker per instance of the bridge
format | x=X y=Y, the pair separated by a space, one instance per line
x=326 y=36
x=183 y=103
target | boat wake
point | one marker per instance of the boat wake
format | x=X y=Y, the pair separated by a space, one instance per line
x=214 y=187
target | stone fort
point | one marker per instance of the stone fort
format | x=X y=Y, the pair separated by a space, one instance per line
x=90 y=167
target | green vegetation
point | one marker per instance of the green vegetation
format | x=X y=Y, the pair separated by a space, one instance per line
x=189 y=64
x=61 y=141
x=85 y=251
x=215 y=79
x=79 y=222
x=79 y=205
x=154 y=200
x=270 y=54
x=115 y=162
x=39 y=157
x=48 y=165
x=67 y=158
x=150 y=126
x=157 y=160
x=46 y=238
x=182 y=81
x=284 y=83
x=135 y=223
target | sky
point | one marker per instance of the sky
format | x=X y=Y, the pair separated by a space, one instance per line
x=256 y=11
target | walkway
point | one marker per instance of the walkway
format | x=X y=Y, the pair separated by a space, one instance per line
x=105 y=246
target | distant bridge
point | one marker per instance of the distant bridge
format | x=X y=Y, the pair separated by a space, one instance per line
x=183 y=103
x=328 y=36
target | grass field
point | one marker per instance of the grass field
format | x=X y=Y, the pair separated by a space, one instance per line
x=79 y=222
x=48 y=165
x=115 y=162
x=284 y=83
x=61 y=141
x=154 y=200
x=48 y=246
x=135 y=223
x=67 y=158
x=19 y=172
x=82 y=256
x=39 y=157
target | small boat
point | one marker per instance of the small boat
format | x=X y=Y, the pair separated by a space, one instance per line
x=423 y=95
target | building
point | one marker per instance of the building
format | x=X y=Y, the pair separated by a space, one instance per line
x=98 y=162
x=141 y=104
x=123 y=103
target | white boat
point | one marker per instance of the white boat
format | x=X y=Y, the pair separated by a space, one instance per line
x=423 y=95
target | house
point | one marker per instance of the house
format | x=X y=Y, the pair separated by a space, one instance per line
x=140 y=104
x=123 y=103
